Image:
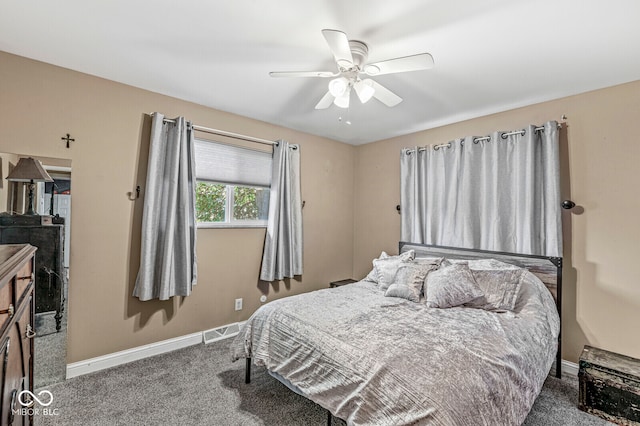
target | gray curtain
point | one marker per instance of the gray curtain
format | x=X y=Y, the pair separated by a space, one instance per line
x=282 y=256
x=500 y=194
x=168 y=257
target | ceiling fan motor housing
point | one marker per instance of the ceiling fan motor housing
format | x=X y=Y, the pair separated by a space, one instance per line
x=360 y=53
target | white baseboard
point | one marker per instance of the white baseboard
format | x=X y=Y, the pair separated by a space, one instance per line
x=569 y=368
x=118 y=358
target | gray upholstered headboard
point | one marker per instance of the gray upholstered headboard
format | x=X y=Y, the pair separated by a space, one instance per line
x=548 y=269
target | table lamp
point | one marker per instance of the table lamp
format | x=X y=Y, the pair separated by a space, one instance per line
x=29 y=170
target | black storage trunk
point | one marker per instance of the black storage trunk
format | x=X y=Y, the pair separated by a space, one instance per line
x=610 y=386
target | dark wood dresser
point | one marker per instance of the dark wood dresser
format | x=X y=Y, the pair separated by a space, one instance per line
x=16 y=325
x=49 y=240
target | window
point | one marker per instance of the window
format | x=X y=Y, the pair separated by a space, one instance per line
x=232 y=188
x=218 y=204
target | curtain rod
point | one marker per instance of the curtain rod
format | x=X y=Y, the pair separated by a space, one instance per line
x=503 y=135
x=224 y=133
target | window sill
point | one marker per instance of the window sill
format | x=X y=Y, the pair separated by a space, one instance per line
x=208 y=225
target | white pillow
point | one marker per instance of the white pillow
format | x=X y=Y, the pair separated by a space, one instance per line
x=372 y=276
x=452 y=286
x=385 y=268
x=409 y=278
x=499 y=281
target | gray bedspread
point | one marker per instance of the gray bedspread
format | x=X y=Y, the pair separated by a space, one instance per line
x=375 y=360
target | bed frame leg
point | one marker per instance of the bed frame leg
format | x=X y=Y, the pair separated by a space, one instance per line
x=329 y=417
x=247 y=371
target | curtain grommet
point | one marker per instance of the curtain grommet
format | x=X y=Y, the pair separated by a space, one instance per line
x=442 y=145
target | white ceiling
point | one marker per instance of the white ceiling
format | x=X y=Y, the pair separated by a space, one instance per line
x=490 y=55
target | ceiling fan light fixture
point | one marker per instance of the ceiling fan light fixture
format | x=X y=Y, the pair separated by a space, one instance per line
x=364 y=89
x=351 y=57
x=338 y=86
x=342 y=101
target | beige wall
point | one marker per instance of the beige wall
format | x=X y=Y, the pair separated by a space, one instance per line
x=7 y=163
x=600 y=154
x=350 y=216
x=40 y=103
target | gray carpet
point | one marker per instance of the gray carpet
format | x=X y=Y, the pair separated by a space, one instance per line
x=50 y=346
x=50 y=349
x=199 y=385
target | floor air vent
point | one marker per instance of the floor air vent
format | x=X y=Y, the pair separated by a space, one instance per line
x=220 y=333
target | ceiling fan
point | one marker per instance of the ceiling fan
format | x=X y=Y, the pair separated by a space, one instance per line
x=351 y=59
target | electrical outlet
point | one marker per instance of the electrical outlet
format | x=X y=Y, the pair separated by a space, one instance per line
x=238 y=304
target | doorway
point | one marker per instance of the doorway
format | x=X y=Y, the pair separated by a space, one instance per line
x=54 y=199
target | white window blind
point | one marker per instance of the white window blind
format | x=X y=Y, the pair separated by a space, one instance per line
x=234 y=165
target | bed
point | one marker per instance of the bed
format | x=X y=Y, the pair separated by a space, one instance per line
x=372 y=359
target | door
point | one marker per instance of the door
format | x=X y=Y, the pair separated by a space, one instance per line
x=62 y=207
x=61 y=188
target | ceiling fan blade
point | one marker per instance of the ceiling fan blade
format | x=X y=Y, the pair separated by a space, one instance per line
x=303 y=74
x=326 y=101
x=339 y=45
x=385 y=95
x=422 y=61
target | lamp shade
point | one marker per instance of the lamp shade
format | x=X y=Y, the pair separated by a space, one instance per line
x=364 y=90
x=338 y=86
x=342 y=101
x=28 y=170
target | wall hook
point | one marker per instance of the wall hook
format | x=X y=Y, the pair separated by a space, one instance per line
x=398 y=208
x=137 y=195
x=568 y=204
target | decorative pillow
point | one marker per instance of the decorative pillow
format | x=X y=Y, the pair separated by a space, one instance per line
x=451 y=286
x=406 y=256
x=500 y=287
x=372 y=276
x=385 y=269
x=499 y=281
x=403 y=291
x=409 y=279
